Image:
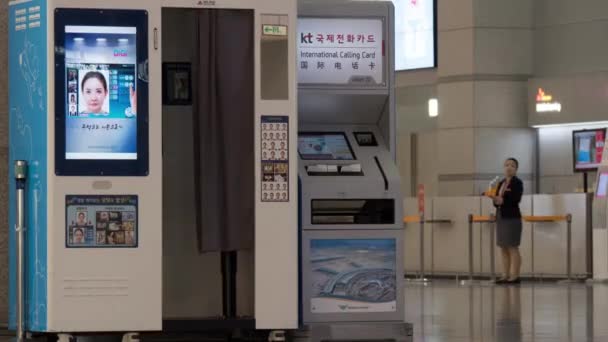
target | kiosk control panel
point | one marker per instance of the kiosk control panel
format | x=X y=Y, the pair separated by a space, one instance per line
x=348 y=182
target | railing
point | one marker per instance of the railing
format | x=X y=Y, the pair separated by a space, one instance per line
x=489 y=219
x=409 y=220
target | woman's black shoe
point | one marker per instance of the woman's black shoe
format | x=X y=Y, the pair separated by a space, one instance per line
x=514 y=281
x=501 y=281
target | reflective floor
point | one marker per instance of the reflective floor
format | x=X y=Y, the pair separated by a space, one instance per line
x=445 y=311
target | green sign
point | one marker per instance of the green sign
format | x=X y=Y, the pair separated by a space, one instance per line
x=274 y=30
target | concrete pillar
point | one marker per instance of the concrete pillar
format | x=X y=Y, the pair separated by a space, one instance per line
x=485 y=59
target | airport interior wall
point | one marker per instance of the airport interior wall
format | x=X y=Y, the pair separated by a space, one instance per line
x=488 y=49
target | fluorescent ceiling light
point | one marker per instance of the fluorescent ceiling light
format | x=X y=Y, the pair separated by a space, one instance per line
x=573 y=124
x=433 y=108
x=101 y=40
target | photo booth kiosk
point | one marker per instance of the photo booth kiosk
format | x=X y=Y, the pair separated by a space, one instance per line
x=152 y=143
x=351 y=201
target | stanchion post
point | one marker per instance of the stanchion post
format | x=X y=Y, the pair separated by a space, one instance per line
x=20 y=168
x=471 y=247
x=492 y=247
x=421 y=247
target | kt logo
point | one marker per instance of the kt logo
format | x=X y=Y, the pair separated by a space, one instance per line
x=306 y=38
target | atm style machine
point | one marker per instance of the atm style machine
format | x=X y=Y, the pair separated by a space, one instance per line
x=351 y=201
x=102 y=221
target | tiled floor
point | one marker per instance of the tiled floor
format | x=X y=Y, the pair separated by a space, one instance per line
x=542 y=312
x=444 y=311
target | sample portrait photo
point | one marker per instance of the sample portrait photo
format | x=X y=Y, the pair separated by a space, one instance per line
x=94 y=92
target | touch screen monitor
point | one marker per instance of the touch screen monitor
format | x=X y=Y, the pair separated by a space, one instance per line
x=324 y=146
x=602 y=185
x=102 y=97
x=588 y=148
x=415 y=33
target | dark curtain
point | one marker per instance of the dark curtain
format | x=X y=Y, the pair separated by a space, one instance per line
x=223 y=120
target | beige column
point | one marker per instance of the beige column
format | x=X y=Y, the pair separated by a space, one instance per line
x=485 y=59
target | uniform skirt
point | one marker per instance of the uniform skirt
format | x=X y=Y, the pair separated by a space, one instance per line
x=508 y=231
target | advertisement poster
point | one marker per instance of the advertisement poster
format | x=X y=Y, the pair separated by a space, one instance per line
x=101 y=94
x=275 y=158
x=414 y=34
x=101 y=221
x=588 y=149
x=340 y=51
x=353 y=275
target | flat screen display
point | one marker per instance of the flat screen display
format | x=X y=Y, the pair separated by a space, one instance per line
x=101 y=92
x=602 y=185
x=324 y=146
x=588 y=147
x=414 y=34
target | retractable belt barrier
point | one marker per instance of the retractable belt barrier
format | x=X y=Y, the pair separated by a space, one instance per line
x=491 y=219
x=481 y=219
x=553 y=219
x=531 y=219
x=419 y=219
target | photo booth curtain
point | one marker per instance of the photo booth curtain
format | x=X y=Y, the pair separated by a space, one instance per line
x=223 y=123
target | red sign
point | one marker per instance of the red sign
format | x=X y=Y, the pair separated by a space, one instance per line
x=421 y=200
x=599 y=145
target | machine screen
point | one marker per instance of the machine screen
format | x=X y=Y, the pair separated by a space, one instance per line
x=324 y=146
x=101 y=93
x=602 y=185
x=588 y=148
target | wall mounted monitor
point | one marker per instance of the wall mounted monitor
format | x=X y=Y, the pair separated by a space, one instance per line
x=101 y=92
x=342 y=51
x=415 y=34
x=588 y=146
x=324 y=146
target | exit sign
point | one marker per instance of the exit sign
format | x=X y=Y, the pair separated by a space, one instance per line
x=274 y=30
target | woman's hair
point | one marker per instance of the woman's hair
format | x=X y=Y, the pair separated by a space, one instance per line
x=513 y=160
x=97 y=75
x=79 y=229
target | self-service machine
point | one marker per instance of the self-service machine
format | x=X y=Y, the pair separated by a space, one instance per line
x=154 y=146
x=350 y=197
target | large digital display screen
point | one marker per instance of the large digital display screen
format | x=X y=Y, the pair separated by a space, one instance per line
x=324 y=146
x=340 y=51
x=414 y=34
x=101 y=92
x=588 y=147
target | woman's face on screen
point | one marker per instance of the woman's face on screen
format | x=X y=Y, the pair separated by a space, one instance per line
x=94 y=95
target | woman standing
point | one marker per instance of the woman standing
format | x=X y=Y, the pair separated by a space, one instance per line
x=508 y=221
